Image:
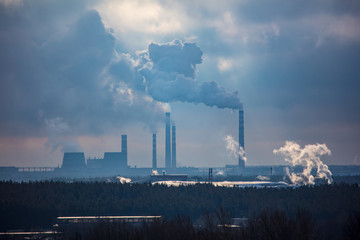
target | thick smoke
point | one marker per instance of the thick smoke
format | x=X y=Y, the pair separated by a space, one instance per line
x=235 y=149
x=167 y=73
x=309 y=159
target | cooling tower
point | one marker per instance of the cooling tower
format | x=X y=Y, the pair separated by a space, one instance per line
x=173 y=146
x=73 y=161
x=167 y=141
x=154 y=165
x=241 y=136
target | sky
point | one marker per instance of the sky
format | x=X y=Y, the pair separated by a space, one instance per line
x=75 y=75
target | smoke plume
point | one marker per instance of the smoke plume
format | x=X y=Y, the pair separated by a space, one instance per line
x=167 y=72
x=309 y=159
x=235 y=149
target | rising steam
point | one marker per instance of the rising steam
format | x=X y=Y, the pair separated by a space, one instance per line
x=308 y=158
x=235 y=150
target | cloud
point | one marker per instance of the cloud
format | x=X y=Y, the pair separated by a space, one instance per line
x=56 y=63
x=138 y=16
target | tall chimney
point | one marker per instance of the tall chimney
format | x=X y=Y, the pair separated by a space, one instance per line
x=154 y=165
x=167 y=141
x=241 y=136
x=173 y=146
x=124 y=147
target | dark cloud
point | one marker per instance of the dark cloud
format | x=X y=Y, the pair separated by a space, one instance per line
x=57 y=70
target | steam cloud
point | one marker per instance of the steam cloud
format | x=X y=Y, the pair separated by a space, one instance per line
x=167 y=73
x=308 y=158
x=234 y=148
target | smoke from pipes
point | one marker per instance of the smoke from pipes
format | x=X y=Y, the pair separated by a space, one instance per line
x=167 y=72
x=236 y=151
x=309 y=159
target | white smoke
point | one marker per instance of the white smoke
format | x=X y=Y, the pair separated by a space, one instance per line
x=123 y=179
x=220 y=173
x=262 y=178
x=235 y=149
x=309 y=159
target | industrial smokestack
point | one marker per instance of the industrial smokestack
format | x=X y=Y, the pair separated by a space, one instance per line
x=124 y=147
x=241 y=136
x=173 y=146
x=154 y=165
x=167 y=141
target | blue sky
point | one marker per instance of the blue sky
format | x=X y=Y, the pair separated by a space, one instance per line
x=74 y=75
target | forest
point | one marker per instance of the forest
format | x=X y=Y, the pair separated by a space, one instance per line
x=330 y=210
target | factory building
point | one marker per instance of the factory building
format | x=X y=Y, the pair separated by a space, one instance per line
x=112 y=161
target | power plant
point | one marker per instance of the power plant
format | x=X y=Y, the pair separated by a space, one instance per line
x=112 y=163
x=118 y=161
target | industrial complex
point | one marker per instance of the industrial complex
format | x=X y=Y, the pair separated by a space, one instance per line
x=75 y=165
x=117 y=162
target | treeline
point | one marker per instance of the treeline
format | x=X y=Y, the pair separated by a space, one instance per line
x=269 y=225
x=37 y=204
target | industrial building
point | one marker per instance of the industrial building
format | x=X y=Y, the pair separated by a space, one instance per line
x=168 y=177
x=112 y=162
x=73 y=161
